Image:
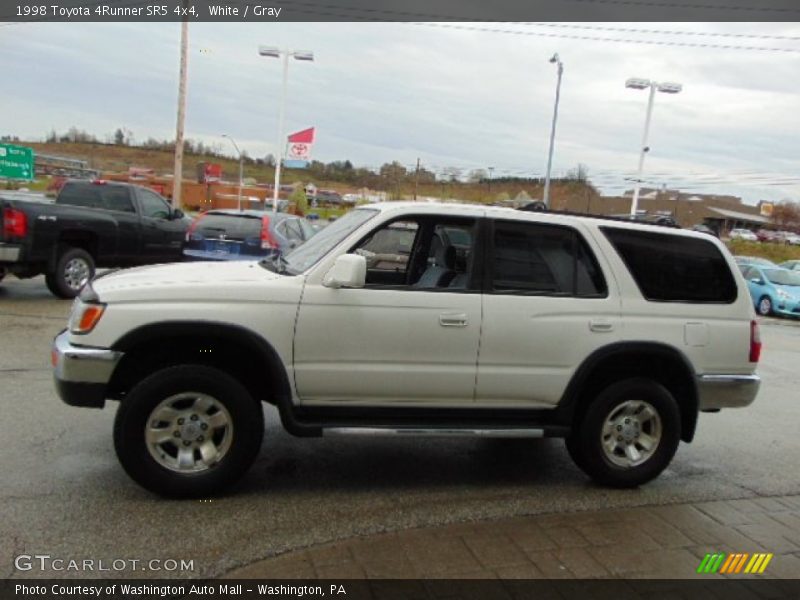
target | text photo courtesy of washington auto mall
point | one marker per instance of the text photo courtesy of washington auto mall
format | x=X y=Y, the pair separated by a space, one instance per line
x=400 y=299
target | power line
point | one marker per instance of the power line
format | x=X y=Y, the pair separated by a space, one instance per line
x=605 y=39
x=668 y=32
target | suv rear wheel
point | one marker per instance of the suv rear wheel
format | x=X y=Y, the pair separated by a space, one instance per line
x=188 y=431
x=628 y=435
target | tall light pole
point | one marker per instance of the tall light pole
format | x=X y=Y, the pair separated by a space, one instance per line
x=491 y=170
x=557 y=61
x=239 y=152
x=637 y=83
x=273 y=52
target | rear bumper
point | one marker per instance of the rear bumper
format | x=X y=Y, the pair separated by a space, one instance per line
x=81 y=373
x=9 y=253
x=726 y=391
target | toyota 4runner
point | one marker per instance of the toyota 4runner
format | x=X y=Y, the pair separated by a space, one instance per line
x=419 y=319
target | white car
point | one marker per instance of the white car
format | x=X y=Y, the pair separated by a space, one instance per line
x=792 y=238
x=743 y=234
x=486 y=322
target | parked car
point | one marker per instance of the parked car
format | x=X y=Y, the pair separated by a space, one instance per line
x=90 y=224
x=792 y=265
x=792 y=238
x=614 y=335
x=702 y=228
x=773 y=290
x=743 y=234
x=228 y=234
x=754 y=260
x=767 y=235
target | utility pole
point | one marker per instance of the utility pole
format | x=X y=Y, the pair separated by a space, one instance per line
x=416 y=180
x=177 y=177
x=490 y=169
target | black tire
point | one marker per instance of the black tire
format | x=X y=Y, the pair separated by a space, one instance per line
x=136 y=410
x=585 y=443
x=764 y=306
x=64 y=284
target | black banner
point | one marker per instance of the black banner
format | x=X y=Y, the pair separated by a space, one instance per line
x=388 y=589
x=271 y=11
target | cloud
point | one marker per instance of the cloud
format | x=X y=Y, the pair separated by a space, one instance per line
x=453 y=95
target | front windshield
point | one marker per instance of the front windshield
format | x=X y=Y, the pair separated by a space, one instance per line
x=307 y=255
x=782 y=277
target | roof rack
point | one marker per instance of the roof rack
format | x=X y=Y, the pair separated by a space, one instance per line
x=645 y=219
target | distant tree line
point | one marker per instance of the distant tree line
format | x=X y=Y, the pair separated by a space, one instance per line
x=393 y=176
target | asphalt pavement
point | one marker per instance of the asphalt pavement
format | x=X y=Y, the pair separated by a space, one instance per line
x=64 y=494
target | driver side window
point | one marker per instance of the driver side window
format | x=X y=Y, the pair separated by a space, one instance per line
x=425 y=253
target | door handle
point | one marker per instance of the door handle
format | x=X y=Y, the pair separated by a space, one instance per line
x=453 y=320
x=601 y=325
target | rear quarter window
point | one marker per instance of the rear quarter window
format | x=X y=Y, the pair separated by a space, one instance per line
x=674 y=268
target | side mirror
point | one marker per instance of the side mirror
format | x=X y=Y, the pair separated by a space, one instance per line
x=177 y=214
x=757 y=280
x=349 y=271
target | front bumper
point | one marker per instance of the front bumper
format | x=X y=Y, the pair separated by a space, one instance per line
x=726 y=391
x=82 y=373
x=786 y=308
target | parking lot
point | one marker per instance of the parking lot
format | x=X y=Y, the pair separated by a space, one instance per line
x=65 y=495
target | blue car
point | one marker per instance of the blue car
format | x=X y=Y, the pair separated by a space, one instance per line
x=775 y=291
x=225 y=234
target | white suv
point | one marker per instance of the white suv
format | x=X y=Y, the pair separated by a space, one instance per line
x=419 y=319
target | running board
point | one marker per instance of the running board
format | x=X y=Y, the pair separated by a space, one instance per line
x=433 y=432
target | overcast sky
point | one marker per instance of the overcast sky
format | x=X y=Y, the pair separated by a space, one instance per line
x=452 y=95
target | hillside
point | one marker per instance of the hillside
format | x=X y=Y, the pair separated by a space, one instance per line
x=119 y=158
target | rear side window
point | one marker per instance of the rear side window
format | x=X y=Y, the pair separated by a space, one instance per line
x=117 y=198
x=78 y=194
x=544 y=259
x=674 y=268
x=93 y=195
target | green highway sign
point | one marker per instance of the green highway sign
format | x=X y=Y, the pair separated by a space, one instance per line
x=16 y=162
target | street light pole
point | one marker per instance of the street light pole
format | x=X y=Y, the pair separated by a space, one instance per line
x=285 y=54
x=490 y=169
x=642 y=84
x=225 y=135
x=643 y=152
x=556 y=60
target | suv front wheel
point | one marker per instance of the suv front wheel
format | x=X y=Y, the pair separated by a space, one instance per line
x=188 y=431
x=628 y=434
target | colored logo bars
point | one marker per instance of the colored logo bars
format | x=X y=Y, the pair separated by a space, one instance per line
x=734 y=563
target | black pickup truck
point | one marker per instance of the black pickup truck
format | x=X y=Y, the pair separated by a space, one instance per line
x=90 y=224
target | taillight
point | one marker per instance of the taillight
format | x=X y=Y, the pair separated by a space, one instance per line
x=15 y=223
x=267 y=241
x=755 y=342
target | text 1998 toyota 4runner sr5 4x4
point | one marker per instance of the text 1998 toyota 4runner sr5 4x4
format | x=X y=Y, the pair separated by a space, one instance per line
x=419 y=319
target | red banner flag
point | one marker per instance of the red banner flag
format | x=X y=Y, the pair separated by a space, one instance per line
x=304 y=137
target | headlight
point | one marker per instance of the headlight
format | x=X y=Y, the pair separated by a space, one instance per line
x=784 y=295
x=85 y=316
